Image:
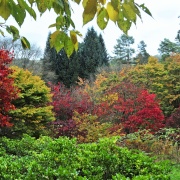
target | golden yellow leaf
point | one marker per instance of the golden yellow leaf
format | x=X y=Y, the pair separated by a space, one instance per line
x=113 y=14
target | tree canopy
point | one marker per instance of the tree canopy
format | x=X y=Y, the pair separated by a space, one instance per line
x=123 y=49
x=122 y=13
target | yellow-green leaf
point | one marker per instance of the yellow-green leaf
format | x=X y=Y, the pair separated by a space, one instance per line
x=42 y=5
x=129 y=11
x=84 y=3
x=14 y=31
x=57 y=40
x=91 y=6
x=145 y=9
x=90 y=10
x=5 y=9
x=25 y=43
x=113 y=14
x=19 y=14
x=102 y=18
x=68 y=46
x=25 y=6
x=59 y=22
x=74 y=39
x=123 y=24
x=115 y=4
x=52 y=25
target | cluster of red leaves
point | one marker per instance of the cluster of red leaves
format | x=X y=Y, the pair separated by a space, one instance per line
x=65 y=102
x=135 y=109
x=7 y=91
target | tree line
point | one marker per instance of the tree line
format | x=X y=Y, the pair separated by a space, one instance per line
x=84 y=63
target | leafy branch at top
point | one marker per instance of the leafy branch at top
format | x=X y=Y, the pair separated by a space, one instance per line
x=122 y=12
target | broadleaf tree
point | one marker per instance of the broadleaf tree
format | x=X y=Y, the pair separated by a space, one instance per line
x=123 y=13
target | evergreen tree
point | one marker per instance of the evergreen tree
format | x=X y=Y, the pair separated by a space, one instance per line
x=142 y=56
x=104 y=55
x=167 y=47
x=48 y=62
x=67 y=69
x=92 y=53
x=123 y=50
x=178 y=37
x=57 y=67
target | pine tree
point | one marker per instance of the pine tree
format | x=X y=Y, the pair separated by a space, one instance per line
x=48 y=62
x=57 y=67
x=92 y=54
x=142 y=56
x=123 y=50
x=167 y=47
x=104 y=54
x=177 y=38
x=67 y=69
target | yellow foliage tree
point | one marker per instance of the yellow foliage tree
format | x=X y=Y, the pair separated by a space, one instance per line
x=32 y=114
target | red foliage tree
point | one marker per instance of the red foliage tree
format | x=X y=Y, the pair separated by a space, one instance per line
x=135 y=108
x=7 y=91
x=65 y=102
x=174 y=120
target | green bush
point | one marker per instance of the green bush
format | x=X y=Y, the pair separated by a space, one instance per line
x=61 y=158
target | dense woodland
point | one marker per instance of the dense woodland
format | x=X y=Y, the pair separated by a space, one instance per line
x=111 y=117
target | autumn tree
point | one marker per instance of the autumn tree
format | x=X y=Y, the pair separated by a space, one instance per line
x=123 y=50
x=121 y=13
x=33 y=113
x=8 y=92
x=123 y=104
x=161 y=79
x=65 y=102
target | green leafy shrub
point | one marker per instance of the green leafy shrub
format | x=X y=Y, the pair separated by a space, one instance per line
x=61 y=158
x=33 y=112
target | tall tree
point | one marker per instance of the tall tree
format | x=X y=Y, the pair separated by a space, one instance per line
x=123 y=49
x=58 y=67
x=67 y=69
x=142 y=56
x=93 y=53
x=104 y=55
x=48 y=62
x=167 y=47
x=178 y=37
